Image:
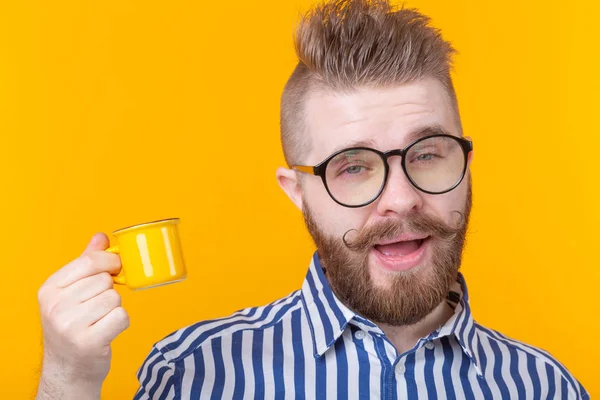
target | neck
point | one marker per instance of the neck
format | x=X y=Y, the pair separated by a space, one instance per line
x=404 y=338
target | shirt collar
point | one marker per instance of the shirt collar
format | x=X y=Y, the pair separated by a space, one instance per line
x=328 y=317
x=462 y=326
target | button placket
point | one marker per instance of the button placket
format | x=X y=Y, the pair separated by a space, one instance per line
x=400 y=368
x=359 y=335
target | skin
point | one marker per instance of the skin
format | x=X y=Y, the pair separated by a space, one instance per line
x=386 y=118
x=81 y=315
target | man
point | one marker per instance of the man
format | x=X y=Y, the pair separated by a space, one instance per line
x=380 y=169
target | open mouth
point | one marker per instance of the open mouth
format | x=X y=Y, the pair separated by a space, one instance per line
x=401 y=255
x=401 y=248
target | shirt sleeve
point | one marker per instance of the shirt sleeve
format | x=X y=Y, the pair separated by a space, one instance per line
x=584 y=394
x=156 y=378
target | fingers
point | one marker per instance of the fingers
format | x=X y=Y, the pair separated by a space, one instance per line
x=69 y=317
x=110 y=326
x=98 y=242
x=88 y=288
x=88 y=264
x=94 y=309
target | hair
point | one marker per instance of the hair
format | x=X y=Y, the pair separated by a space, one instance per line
x=343 y=45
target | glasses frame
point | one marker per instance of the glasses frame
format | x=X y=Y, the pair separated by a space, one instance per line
x=319 y=169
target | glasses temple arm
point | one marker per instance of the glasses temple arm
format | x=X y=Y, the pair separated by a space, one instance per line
x=304 y=168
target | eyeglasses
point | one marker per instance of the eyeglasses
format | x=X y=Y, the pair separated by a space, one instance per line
x=355 y=177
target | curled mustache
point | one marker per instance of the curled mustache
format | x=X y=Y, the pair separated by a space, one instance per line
x=414 y=223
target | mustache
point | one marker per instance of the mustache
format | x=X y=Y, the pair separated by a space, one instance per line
x=418 y=223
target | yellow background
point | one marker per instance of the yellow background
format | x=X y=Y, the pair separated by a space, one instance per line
x=116 y=112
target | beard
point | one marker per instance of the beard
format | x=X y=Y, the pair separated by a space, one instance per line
x=411 y=295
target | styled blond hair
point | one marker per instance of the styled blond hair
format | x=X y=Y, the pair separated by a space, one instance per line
x=348 y=44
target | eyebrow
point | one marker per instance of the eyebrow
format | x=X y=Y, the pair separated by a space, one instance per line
x=412 y=136
x=355 y=143
x=425 y=131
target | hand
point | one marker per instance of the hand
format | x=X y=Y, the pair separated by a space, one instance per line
x=81 y=315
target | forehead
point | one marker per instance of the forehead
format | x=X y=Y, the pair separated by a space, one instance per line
x=383 y=117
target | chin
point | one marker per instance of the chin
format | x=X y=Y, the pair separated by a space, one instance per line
x=382 y=278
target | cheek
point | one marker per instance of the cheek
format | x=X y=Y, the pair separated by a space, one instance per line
x=332 y=218
x=315 y=196
x=444 y=205
x=336 y=220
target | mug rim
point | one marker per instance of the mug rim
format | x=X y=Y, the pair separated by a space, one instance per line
x=145 y=224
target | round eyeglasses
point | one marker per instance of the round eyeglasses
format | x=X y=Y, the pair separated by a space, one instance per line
x=355 y=177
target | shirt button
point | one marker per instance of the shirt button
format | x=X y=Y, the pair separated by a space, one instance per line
x=400 y=368
x=360 y=335
x=429 y=346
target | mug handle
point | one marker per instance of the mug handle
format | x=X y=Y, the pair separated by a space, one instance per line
x=120 y=278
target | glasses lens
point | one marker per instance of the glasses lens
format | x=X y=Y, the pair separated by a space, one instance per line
x=435 y=164
x=355 y=177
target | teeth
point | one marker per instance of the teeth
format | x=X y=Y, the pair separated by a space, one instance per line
x=419 y=241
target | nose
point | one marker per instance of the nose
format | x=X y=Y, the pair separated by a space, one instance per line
x=399 y=196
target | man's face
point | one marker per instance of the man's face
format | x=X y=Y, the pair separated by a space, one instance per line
x=405 y=247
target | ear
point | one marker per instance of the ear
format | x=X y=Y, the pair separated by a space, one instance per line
x=289 y=183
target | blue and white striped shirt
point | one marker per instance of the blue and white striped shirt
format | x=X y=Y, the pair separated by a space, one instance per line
x=309 y=345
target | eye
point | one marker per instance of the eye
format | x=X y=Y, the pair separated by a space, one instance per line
x=425 y=157
x=353 y=170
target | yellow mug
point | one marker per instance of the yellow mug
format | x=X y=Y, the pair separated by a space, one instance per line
x=150 y=254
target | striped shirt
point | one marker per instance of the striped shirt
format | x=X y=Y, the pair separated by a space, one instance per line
x=310 y=345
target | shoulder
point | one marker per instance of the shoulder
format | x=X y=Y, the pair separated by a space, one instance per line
x=527 y=361
x=187 y=340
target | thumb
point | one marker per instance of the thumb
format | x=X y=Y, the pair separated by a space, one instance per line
x=98 y=242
